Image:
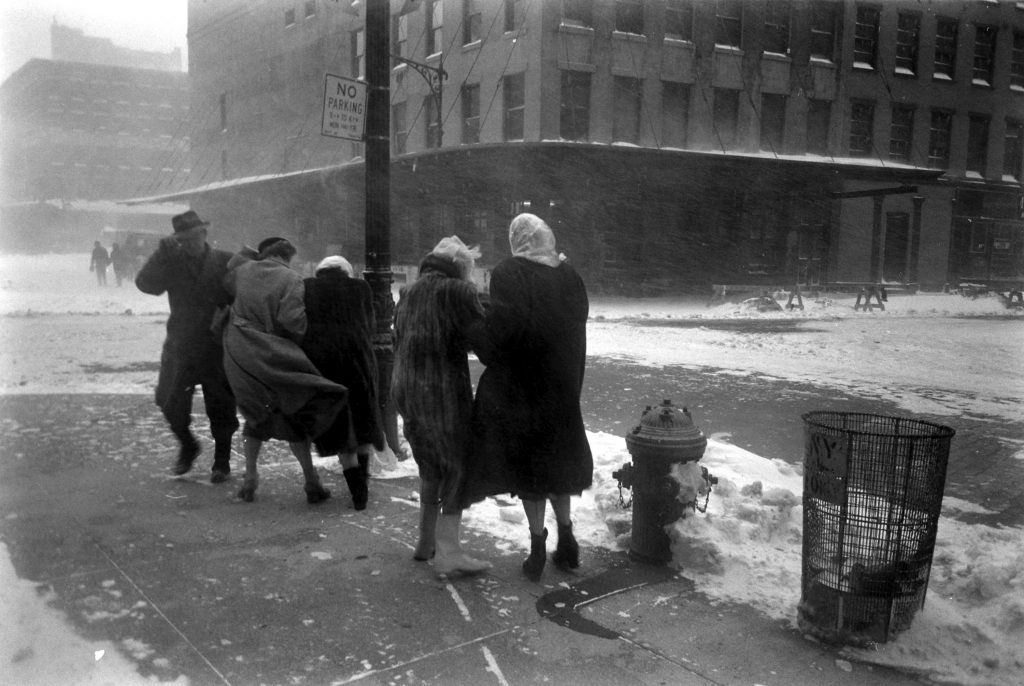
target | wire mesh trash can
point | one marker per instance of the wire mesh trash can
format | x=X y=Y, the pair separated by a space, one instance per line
x=873 y=490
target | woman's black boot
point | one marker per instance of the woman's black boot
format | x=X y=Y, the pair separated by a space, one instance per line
x=357 y=487
x=567 y=552
x=533 y=567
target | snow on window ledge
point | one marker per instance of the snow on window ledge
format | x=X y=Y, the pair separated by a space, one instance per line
x=1010 y=177
x=938 y=76
x=972 y=175
x=863 y=65
x=903 y=71
x=981 y=82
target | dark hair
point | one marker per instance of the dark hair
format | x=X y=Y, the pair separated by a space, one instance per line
x=277 y=247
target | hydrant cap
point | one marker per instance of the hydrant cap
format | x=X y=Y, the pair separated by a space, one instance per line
x=668 y=427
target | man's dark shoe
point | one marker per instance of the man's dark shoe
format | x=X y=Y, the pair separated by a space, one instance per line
x=187 y=454
x=219 y=476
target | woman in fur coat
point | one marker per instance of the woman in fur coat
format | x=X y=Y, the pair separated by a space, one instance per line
x=437 y=321
x=527 y=425
x=278 y=390
x=339 y=341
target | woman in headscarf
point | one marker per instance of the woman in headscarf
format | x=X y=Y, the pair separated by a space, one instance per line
x=278 y=390
x=339 y=342
x=527 y=424
x=437 y=321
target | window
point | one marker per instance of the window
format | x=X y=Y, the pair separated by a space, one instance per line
x=1013 y=149
x=471 y=113
x=513 y=15
x=773 y=121
x=675 y=108
x=862 y=121
x=726 y=116
x=574 y=122
x=310 y=8
x=945 y=48
x=435 y=24
x=432 y=121
x=578 y=12
x=679 y=19
x=629 y=16
x=824 y=16
x=514 y=94
x=819 y=114
x=626 y=121
x=938 y=139
x=908 y=34
x=865 y=37
x=984 y=55
x=1017 y=62
x=399 y=35
x=977 y=144
x=359 y=54
x=223 y=111
x=901 y=132
x=776 y=26
x=470 y=21
x=728 y=22
x=289 y=17
x=399 y=128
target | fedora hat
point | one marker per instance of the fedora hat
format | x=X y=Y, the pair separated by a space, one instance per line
x=186 y=221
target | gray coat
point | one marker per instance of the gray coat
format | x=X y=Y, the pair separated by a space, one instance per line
x=269 y=373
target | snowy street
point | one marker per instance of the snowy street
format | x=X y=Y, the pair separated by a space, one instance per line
x=746 y=376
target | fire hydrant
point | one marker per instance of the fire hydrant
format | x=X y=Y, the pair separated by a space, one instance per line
x=665 y=436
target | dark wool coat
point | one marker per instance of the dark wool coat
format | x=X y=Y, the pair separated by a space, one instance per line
x=279 y=391
x=339 y=342
x=528 y=427
x=438 y=320
x=195 y=289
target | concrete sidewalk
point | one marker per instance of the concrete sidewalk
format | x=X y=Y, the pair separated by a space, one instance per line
x=281 y=592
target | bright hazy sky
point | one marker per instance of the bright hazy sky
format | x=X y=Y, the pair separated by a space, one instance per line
x=142 y=24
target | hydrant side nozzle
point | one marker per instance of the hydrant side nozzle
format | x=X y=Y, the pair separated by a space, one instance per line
x=624 y=475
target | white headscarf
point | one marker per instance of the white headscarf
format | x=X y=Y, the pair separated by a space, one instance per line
x=336 y=262
x=462 y=255
x=530 y=237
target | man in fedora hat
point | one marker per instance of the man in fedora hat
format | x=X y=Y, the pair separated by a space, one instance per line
x=192 y=274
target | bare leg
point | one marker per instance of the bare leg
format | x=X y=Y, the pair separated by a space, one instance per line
x=429 y=509
x=560 y=504
x=348 y=460
x=314 y=491
x=251 y=446
x=535 y=510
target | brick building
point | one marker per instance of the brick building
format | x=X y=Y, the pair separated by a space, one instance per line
x=671 y=143
x=78 y=133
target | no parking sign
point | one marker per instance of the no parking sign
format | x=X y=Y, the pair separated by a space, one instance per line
x=344 y=108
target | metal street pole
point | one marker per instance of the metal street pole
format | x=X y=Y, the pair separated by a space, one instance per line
x=378 y=198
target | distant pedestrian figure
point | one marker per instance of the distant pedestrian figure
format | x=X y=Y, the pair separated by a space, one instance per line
x=99 y=262
x=121 y=263
x=527 y=423
x=339 y=342
x=280 y=393
x=192 y=274
x=437 y=321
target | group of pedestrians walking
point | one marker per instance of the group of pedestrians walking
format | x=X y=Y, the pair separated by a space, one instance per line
x=294 y=356
x=118 y=259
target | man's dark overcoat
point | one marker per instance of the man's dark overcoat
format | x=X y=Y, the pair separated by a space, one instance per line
x=195 y=290
x=339 y=342
x=528 y=433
